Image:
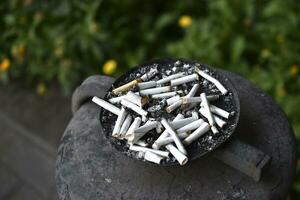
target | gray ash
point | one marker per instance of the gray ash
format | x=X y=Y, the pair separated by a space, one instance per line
x=204 y=144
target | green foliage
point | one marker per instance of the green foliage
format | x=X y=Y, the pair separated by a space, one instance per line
x=66 y=41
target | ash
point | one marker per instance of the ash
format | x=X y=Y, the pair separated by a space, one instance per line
x=156 y=109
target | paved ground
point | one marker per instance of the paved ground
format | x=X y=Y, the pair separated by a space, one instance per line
x=30 y=128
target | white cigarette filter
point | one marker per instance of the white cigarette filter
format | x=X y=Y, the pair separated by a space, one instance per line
x=164 y=95
x=174 y=136
x=138 y=133
x=146 y=85
x=107 y=106
x=135 y=124
x=145 y=149
x=219 y=111
x=196 y=134
x=125 y=87
x=120 y=119
x=136 y=99
x=173 y=106
x=125 y=126
x=152 y=157
x=169 y=78
x=218 y=120
x=182 y=122
x=190 y=127
x=157 y=90
x=133 y=107
x=149 y=75
x=185 y=79
x=165 y=133
x=180 y=157
x=193 y=91
x=173 y=100
x=167 y=140
x=220 y=87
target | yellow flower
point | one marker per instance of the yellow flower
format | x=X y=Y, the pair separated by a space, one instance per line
x=184 y=21
x=294 y=70
x=265 y=53
x=5 y=64
x=109 y=67
x=41 y=89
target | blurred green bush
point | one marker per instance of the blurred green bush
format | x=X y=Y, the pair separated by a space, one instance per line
x=64 y=41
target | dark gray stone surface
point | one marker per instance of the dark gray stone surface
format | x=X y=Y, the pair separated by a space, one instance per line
x=89 y=168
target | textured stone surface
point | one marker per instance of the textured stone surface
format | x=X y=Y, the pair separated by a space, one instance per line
x=89 y=168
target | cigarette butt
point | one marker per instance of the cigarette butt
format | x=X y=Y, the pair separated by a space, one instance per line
x=173 y=106
x=136 y=99
x=196 y=134
x=179 y=156
x=135 y=124
x=169 y=78
x=146 y=85
x=107 y=106
x=152 y=157
x=149 y=75
x=173 y=100
x=182 y=122
x=219 y=111
x=157 y=90
x=167 y=140
x=164 y=95
x=221 y=123
x=189 y=127
x=142 y=143
x=165 y=133
x=184 y=79
x=125 y=126
x=145 y=149
x=120 y=119
x=174 y=136
x=125 y=87
x=220 y=87
x=193 y=91
x=207 y=109
x=134 y=107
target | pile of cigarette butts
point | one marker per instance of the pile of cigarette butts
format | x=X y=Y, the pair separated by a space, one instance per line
x=173 y=135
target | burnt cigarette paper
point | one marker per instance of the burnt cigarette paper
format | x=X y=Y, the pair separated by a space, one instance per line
x=157 y=90
x=107 y=106
x=169 y=78
x=120 y=119
x=196 y=134
x=220 y=87
x=152 y=157
x=145 y=149
x=146 y=85
x=174 y=136
x=184 y=79
x=173 y=106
